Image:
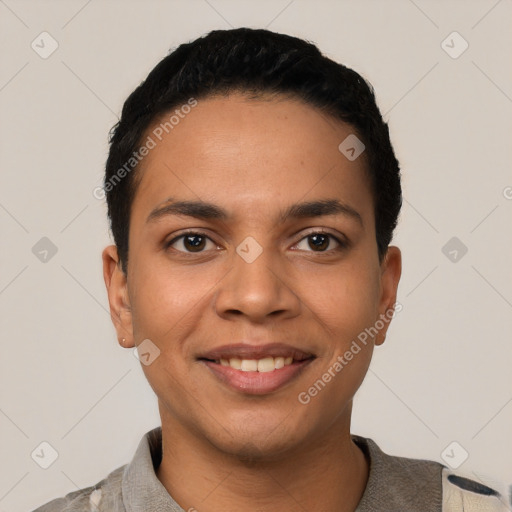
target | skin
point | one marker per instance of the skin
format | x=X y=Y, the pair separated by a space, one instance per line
x=224 y=449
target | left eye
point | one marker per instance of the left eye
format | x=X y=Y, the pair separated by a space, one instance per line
x=319 y=241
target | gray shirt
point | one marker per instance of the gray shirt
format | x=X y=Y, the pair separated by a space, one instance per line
x=394 y=484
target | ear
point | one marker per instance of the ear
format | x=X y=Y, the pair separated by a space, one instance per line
x=117 y=290
x=391 y=270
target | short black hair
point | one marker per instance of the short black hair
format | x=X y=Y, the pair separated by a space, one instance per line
x=252 y=61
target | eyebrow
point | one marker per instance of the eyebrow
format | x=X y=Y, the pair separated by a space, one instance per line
x=205 y=211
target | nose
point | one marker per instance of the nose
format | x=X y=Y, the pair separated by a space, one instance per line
x=259 y=289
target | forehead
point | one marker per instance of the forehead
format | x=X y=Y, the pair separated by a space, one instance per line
x=250 y=155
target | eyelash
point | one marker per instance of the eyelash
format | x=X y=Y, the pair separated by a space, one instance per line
x=341 y=244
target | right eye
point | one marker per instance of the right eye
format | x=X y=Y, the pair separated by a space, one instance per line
x=191 y=242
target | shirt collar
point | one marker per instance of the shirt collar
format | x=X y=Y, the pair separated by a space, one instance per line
x=141 y=488
x=389 y=479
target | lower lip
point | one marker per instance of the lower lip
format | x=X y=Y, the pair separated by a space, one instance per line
x=257 y=383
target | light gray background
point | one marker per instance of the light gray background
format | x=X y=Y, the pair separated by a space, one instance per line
x=443 y=374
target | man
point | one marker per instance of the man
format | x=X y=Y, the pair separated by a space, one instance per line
x=253 y=192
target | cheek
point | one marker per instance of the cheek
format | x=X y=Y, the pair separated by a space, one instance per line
x=164 y=310
x=163 y=298
x=348 y=300
x=347 y=306
x=326 y=396
x=169 y=307
x=353 y=309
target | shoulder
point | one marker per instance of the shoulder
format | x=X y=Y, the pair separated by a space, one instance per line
x=464 y=494
x=399 y=483
x=106 y=495
x=420 y=485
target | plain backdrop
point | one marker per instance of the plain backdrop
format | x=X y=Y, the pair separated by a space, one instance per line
x=443 y=374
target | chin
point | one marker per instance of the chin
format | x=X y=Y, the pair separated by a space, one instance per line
x=258 y=450
x=261 y=441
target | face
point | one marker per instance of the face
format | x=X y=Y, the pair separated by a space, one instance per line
x=259 y=289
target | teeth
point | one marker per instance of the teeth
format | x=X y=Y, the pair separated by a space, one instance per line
x=249 y=365
x=279 y=362
x=267 y=364
x=235 y=363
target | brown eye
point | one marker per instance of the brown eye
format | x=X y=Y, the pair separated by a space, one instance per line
x=320 y=241
x=194 y=242
x=191 y=242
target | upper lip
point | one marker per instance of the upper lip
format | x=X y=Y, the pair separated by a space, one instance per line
x=248 y=351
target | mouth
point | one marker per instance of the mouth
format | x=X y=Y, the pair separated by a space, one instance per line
x=256 y=370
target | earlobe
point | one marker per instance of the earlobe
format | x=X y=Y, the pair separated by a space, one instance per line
x=391 y=271
x=118 y=298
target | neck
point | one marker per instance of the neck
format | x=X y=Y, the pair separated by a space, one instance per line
x=330 y=473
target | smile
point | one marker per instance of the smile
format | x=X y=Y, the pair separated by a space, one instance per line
x=256 y=370
x=267 y=364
